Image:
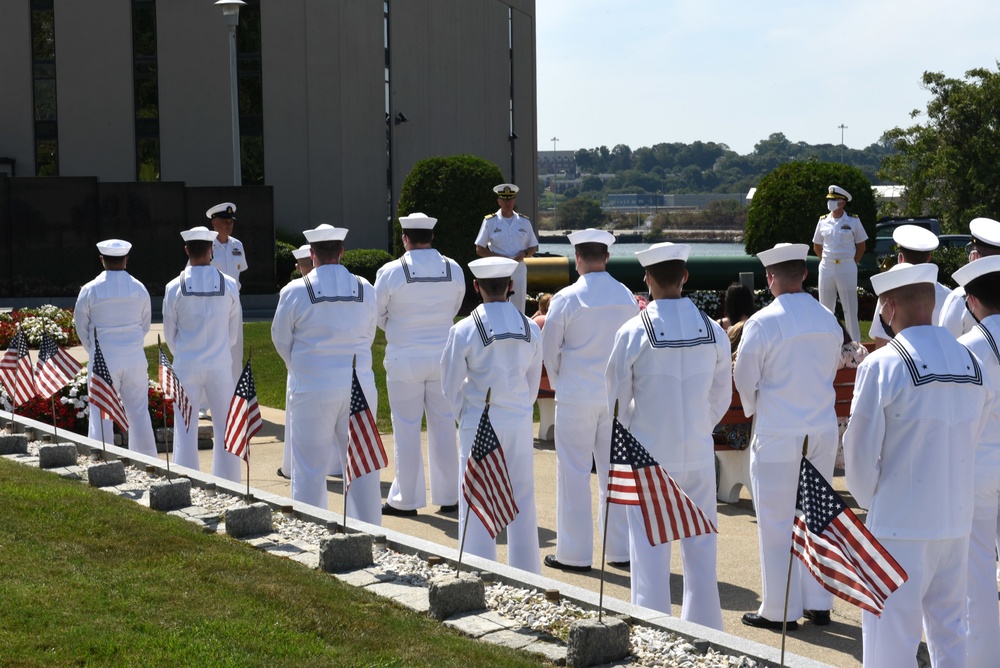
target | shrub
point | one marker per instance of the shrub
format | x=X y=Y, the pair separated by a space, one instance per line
x=458 y=191
x=284 y=262
x=790 y=200
x=365 y=262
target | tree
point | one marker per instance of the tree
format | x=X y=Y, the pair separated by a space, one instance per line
x=580 y=213
x=789 y=201
x=949 y=164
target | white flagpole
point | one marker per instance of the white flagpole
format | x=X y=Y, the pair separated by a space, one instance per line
x=788 y=583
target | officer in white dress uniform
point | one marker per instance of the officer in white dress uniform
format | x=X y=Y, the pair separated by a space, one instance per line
x=784 y=370
x=507 y=233
x=497 y=348
x=839 y=241
x=981 y=280
x=118 y=306
x=304 y=263
x=323 y=321
x=919 y=407
x=985 y=243
x=418 y=297
x=915 y=246
x=673 y=362
x=201 y=316
x=229 y=258
x=576 y=343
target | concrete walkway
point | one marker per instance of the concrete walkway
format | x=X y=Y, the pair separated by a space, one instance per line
x=738 y=563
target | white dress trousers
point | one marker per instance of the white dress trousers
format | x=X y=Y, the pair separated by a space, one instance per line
x=841 y=278
x=214 y=388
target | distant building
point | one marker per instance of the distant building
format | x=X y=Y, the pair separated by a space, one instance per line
x=557 y=162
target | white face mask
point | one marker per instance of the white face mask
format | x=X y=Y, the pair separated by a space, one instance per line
x=833 y=204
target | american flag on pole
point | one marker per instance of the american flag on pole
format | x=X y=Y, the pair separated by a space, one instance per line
x=487 y=487
x=102 y=390
x=56 y=367
x=243 y=419
x=365 y=452
x=15 y=370
x=173 y=390
x=841 y=553
x=636 y=479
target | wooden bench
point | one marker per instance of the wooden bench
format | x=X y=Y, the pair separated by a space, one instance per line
x=734 y=465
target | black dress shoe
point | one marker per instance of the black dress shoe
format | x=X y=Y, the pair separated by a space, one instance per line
x=817 y=617
x=398 y=512
x=453 y=508
x=620 y=564
x=281 y=474
x=551 y=561
x=755 y=620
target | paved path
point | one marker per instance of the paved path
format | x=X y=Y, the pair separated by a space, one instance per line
x=738 y=566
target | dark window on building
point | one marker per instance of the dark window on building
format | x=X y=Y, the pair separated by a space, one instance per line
x=251 y=93
x=146 y=91
x=43 y=75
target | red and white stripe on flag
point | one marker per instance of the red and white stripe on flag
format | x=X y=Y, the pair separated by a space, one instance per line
x=102 y=390
x=243 y=419
x=56 y=367
x=15 y=370
x=487 y=488
x=365 y=452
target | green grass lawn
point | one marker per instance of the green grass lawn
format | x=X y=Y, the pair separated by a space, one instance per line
x=93 y=579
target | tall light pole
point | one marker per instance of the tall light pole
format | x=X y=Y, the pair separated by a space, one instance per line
x=231 y=17
x=842 y=128
x=555 y=203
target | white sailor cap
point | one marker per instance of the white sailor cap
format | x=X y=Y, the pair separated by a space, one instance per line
x=783 y=253
x=915 y=238
x=301 y=253
x=973 y=270
x=114 y=247
x=200 y=233
x=902 y=274
x=986 y=230
x=591 y=236
x=836 y=192
x=663 y=252
x=506 y=190
x=325 y=232
x=417 y=221
x=493 y=267
x=224 y=210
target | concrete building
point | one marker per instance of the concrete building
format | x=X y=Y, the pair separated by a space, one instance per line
x=338 y=98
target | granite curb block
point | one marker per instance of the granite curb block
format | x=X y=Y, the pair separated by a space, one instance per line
x=13 y=444
x=252 y=520
x=448 y=595
x=345 y=552
x=56 y=455
x=170 y=495
x=592 y=642
x=719 y=640
x=107 y=474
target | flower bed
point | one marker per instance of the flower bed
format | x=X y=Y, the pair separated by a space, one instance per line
x=56 y=322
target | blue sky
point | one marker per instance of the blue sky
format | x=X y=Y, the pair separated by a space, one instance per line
x=641 y=72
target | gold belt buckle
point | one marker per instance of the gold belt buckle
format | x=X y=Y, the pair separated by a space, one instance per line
x=836 y=261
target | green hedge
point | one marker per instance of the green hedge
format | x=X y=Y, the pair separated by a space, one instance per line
x=284 y=262
x=790 y=200
x=365 y=262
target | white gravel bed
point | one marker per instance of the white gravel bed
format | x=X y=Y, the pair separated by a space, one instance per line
x=527 y=607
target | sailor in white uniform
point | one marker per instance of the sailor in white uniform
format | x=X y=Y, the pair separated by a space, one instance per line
x=201 y=317
x=981 y=280
x=985 y=243
x=117 y=306
x=915 y=246
x=673 y=362
x=839 y=241
x=323 y=321
x=507 y=233
x=418 y=297
x=919 y=407
x=497 y=348
x=784 y=370
x=229 y=257
x=576 y=343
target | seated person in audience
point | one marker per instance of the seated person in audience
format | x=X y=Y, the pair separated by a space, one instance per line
x=737 y=306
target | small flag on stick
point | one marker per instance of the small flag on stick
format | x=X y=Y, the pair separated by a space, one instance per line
x=243 y=419
x=56 y=367
x=365 y=452
x=487 y=487
x=173 y=390
x=636 y=479
x=15 y=370
x=102 y=390
x=838 y=549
